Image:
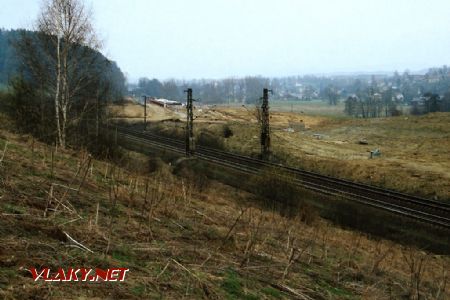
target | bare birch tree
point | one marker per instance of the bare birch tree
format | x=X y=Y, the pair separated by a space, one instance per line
x=69 y=23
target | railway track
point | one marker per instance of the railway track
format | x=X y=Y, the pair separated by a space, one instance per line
x=420 y=209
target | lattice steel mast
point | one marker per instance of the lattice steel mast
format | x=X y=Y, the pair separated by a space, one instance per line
x=190 y=147
x=265 y=125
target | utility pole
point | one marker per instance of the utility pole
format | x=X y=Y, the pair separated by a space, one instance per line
x=189 y=124
x=145 y=112
x=265 y=125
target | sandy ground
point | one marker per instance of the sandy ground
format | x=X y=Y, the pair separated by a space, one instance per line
x=135 y=112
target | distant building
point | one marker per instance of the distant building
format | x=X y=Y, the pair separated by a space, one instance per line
x=164 y=102
x=399 y=98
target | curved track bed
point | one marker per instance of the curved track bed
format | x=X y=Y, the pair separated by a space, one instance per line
x=420 y=209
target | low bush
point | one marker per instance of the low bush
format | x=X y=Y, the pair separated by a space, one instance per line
x=174 y=132
x=155 y=164
x=194 y=173
x=104 y=146
x=278 y=191
x=208 y=139
x=227 y=131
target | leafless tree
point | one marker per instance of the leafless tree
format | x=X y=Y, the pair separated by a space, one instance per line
x=417 y=263
x=69 y=26
x=229 y=89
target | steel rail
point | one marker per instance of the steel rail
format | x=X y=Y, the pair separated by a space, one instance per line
x=365 y=194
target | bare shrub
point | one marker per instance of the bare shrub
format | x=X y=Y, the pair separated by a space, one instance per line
x=209 y=139
x=416 y=262
x=278 y=191
x=155 y=164
x=227 y=131
x=195 y=174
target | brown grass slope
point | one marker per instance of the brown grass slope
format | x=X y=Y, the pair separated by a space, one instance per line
x=180 y=242
x=415 y=149
x=415 y=156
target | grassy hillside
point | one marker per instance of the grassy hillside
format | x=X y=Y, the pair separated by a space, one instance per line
x=180 y=239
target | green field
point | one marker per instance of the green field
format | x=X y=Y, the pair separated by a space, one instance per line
x=314 y=107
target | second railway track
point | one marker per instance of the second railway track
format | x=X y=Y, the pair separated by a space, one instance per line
x=423 y=210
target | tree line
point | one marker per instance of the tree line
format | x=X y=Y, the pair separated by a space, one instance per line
x=386 y=98
x=361 y=91
x=229 y=90
x=372 y=104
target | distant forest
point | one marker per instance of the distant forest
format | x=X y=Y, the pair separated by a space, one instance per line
x=365 y=95
x=10 y=66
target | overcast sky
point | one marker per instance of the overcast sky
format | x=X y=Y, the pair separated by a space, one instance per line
x=219 y=38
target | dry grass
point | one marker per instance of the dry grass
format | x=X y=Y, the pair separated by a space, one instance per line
x=415 y=155
x=414 y=159
x=180 y=242
x=135 y=112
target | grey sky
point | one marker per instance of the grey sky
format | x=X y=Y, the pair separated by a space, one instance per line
x=220 y=38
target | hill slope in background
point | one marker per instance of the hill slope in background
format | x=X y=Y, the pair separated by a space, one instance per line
x=180 y=241
x=10 y=65
x=8 y=60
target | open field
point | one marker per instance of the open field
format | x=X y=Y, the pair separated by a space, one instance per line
x=315 y=107
x=414 y=150
x=182 y=240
